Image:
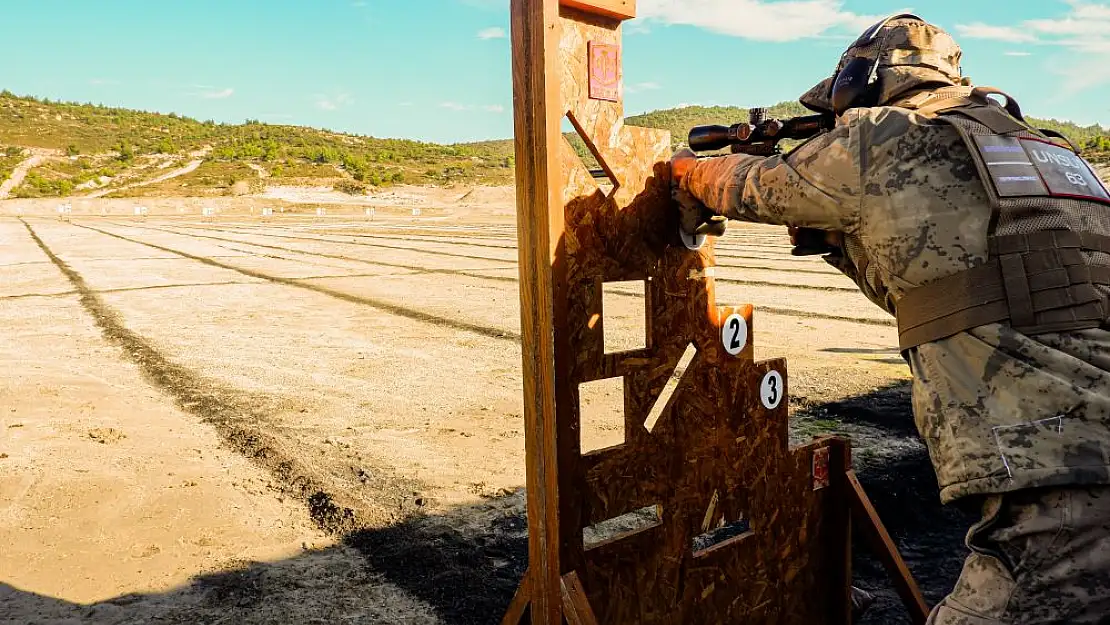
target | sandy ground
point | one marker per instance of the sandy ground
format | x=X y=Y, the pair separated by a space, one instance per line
x=300 y=419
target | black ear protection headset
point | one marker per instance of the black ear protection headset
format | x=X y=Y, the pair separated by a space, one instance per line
x=857 y=83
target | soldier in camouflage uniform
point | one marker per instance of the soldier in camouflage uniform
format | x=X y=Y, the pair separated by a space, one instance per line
x=1014 y=402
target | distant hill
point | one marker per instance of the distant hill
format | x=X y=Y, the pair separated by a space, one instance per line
x=121 y=152
x=127 y=146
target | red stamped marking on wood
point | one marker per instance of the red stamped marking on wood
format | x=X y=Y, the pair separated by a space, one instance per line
x=605 y=63
x=820 y=468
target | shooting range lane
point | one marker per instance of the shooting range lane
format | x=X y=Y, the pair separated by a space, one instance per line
x=321 y=361
x=353 y=386
x=773 y=288
x=146 y=493
x=409 y=280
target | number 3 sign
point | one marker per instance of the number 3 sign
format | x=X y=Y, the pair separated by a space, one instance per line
x=770 y=390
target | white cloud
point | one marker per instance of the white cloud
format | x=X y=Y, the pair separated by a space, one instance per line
x=218 y=95
x=492 y=33
x=1018 y=53
x=641 y=86
x=488 y=108
x=761 y=20
x=332 y=103
x=979 y=30
x=1083 y=33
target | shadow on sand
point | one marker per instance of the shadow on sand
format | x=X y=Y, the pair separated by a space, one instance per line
x=462 y=567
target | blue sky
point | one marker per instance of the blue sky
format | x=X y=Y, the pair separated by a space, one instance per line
x=440 y=69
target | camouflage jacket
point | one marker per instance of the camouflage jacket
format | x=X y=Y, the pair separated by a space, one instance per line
x=999 y=411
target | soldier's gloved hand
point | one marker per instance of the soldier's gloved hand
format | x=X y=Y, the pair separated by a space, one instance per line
x=694 y=217
x=813 y=242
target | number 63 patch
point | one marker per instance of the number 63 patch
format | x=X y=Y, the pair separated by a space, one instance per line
x=1026 y=167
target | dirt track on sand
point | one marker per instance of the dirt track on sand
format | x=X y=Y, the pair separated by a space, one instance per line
x=317 y=420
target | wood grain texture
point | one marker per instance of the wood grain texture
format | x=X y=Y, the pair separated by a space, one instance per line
x=619 y=9
x=576 y=606
x=718 y=456
x=519 y=605
x=535 y=31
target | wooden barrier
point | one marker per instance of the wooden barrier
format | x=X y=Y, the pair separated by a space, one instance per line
x=724 y=522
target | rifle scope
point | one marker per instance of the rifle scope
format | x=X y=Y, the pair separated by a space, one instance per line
x=709 y=138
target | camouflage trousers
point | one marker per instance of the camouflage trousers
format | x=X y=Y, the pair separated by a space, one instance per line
x=1039 y=557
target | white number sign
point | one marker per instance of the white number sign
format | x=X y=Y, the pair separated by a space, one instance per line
x=734 y=334
x=770 y=390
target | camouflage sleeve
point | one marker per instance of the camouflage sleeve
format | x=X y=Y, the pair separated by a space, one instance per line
x=815 y=186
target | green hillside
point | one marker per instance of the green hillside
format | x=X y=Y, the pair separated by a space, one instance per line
x=122 y=152
x=129 y=137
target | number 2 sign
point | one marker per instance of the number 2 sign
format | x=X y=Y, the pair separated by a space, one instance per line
x=734 y=334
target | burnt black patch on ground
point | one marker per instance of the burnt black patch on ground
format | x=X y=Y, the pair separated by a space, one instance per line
x=894 y=467
x=468 y=577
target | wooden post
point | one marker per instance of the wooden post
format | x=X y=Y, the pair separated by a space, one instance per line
x=535 y=33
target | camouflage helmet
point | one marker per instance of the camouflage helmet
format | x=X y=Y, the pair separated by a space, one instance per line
x=904 y=53
x=817 y=98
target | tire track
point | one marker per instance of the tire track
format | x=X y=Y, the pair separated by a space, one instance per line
x=394 y=309
x=780 y=259
x=787 y=312
x=236 y=416
x=123 y=290
x=453 y=272
x=738 y=281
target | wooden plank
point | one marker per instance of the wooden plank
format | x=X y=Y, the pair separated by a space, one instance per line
x=576 y=606
x=619 y=9
x=519 y=605
x=535 y=35
x=882 y=545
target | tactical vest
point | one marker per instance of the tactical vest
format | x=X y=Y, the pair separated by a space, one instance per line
x=1048 y=268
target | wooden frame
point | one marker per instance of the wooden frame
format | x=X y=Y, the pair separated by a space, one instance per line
x=718 y=454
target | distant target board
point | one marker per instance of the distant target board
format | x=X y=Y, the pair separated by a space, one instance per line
x=207 y=211
x=416 y=212
x=320 y=212
x=140 y=211
x=267 y=211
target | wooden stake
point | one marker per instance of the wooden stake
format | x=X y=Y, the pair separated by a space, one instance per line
x=519 y=605
x=882 y=545
x=576 y=606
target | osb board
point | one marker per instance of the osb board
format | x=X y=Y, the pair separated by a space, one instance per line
x=717 y=454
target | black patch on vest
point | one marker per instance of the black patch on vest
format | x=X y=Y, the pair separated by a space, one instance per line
x=1025 y=167
x=1010 y=167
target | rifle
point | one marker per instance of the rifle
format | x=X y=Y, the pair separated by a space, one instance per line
x=760 y=137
